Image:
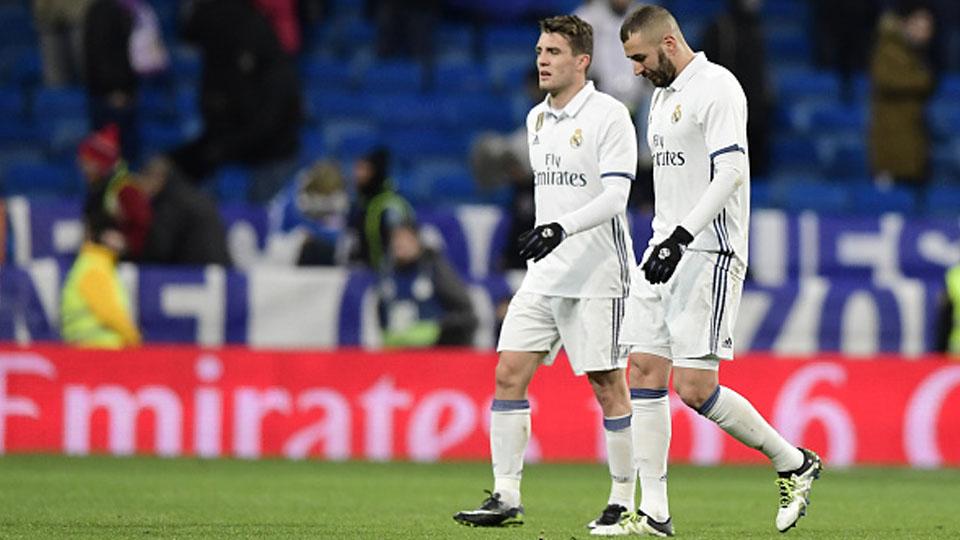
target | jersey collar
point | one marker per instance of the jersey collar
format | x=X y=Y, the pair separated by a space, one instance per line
x=575 y=104
x=698 y=63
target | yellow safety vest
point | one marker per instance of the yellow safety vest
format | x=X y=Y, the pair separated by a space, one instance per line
x=78 y=325
x=953 y=290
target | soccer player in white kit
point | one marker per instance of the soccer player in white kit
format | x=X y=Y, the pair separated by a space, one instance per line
x=583 y=152
x=681 y=314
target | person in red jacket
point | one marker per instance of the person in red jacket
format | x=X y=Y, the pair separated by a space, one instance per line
x=111 y=191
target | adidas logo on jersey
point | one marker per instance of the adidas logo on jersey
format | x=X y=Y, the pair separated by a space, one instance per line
x=727 y=343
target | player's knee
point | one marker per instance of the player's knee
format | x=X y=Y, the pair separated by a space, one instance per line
x=508 y=377
x=692 y=395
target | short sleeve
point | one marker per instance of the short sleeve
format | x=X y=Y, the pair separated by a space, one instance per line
x=618 y=145
x=723 y=119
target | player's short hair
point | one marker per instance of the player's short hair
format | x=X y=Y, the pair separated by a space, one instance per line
x=655 y=20
x=578 y=32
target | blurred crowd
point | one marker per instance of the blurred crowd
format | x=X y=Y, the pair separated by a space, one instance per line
x=159 y=209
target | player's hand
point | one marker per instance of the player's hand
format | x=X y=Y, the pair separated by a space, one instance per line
x=538 y=243
x=664 y=258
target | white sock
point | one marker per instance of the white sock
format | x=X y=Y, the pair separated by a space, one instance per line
x=740 y=419
x=623 y=475
x=509 y=433
x=651 y=444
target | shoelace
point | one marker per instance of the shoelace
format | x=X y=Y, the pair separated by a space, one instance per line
x=786 y=486
x=492 y=502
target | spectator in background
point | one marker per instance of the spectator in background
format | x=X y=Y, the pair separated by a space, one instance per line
x=735 y=41
x=111 y=191
x=284 y=17
x=842 y=34
x=902 y=85
x=497 y=159
x=423 y=302
x=94 y=305
x=612 y=73
x=122 y=42
x=249 y=98
x=312 y=208
x=948 y=322
x=376 y=211
x=187 y=228
x=60 y=26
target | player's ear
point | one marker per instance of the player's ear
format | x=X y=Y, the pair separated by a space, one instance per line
x=669 y=44
x=583 y=61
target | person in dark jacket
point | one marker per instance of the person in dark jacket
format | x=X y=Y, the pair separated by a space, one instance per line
x=112 y=83
x=423 y=302
x=735 y=41
x=187 y=228
x=376 y=210
x=249 y=98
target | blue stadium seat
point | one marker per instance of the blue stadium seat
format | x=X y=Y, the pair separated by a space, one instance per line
x=943 y=200
x=849 y=160
x=696 y=11
x=442 y=181
x=809 y=85
x=789 y=46
x=33 y=178
x=510 y=39
x=839 y=119
x=409 y=147
x=943 y=117
x=232 y=183
x=795 y=155
x=467 y=78
x=159 y=136
x=16 y=25
x=12 y=104
x=761 y=195
x=157 y=104
x=948 y=88
x=797 y=193
x=357 y=144
x=340 y=105
x=397 y=76
x=867 y=198
x=326 y=73
x=63 y=135
x=26 y=69
x=412 y=111
x=787 y=10
x=185 y=64
x=53 y=103
x=336 y=131
x=454 y=41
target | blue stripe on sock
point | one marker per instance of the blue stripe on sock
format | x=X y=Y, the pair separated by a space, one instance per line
x=501 y=405
x=708 y=404
x=647 y=393
x=617 y=424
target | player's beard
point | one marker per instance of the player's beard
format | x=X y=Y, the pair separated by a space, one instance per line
x=664 y=75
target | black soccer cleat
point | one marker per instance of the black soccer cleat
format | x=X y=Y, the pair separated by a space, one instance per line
x=492 y=513
x=610 y=515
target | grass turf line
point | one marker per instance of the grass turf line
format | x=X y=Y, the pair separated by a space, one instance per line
x=104 y=497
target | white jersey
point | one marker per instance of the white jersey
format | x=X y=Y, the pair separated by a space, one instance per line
x=702 y=115
x=571 y=151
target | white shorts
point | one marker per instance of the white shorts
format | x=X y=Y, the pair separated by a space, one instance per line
x=587 y=328
x=690 y=319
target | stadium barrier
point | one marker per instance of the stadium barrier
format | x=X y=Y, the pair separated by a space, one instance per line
x=433 y=405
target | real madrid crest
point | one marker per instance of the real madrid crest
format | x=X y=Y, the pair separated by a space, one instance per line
x=576 y=139
x=675 y=117
x=539 y=122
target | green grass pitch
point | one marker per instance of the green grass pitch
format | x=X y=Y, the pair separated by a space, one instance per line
x=102 y=497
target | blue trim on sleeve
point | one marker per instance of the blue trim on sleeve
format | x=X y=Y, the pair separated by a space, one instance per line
x=503 y=405
x=626 y=175
x=647 y=393
x=617 y=424
x=728 y=149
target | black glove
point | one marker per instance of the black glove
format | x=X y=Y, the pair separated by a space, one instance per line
x=539 y=242
x=665 y=256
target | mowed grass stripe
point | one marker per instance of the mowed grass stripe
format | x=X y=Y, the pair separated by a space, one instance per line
x=105 y=497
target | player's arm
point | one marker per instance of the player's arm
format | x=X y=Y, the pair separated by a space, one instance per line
x=618 y=162
x=724 y=123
